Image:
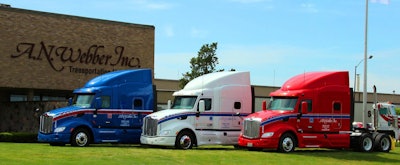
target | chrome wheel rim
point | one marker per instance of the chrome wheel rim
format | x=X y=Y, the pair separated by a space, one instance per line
x=185 y=142
x=81 y=139
x=287 y=144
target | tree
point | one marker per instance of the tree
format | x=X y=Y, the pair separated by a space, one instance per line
x=397 y=110
x=204 y=63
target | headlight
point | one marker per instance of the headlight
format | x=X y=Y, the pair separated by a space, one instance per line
x=267 y=134
x=165 y=132
x=59 y=129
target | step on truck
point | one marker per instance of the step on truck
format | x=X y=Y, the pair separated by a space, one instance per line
x=208 y=110
x=107 y=109
x=316 y=110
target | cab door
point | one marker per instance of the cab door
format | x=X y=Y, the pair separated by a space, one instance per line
x=204 y=120
x=306 y=121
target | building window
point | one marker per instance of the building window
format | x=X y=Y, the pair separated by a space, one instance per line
x=52 y=98
x=15 y=98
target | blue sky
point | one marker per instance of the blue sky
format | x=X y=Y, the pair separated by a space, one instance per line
x=273 y=39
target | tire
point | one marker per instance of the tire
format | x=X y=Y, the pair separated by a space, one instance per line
x=184 y=140
x=287 y=143
x=382 y=143
x=366 y=143
x=81 y=137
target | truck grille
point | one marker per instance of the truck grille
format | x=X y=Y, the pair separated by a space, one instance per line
x=46 y=124
x=150 y=126
x=251 y=128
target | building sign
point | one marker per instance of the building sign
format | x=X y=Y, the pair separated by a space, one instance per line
x=40 y=50
x=69 y=56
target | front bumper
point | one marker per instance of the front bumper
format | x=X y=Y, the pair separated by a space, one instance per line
x=269 y=143
x=158 y=140
x=54 y=138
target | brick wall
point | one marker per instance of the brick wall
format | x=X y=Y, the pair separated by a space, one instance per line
x=41 y=50
x=24 y=116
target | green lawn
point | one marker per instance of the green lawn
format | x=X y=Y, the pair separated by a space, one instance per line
x=39 y=153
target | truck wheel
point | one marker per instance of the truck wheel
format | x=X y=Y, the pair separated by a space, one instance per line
x=80 y=137
x=184 y=140
x=287 y=143
x=382 y=143
x=366 y=143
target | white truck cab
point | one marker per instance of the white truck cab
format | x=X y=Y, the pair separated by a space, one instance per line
x=208 y=110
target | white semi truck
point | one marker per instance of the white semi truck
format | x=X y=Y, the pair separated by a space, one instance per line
x=209 y=110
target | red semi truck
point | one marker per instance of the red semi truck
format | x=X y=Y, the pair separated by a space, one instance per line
x=316 y=110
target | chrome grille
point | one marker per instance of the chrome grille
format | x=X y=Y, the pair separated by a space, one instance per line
x=251 y=128
x=150 y=126
x=46 y=124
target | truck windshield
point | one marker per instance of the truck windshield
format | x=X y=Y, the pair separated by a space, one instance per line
x=282 y=103
x=184 y=102
x=83 y=100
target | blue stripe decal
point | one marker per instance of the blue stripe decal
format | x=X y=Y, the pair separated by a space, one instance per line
x=316 y=116
x=328 y=116
x=273 y=119
x=171 y=117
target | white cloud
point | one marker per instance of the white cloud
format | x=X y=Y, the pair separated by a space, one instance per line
x=386 y=2
x=198 y=33
x=309 y=8
x=249 y=1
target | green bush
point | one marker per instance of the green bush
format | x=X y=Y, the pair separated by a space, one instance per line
x=18 y=137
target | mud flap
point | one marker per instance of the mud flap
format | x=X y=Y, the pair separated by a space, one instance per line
x=393 y=143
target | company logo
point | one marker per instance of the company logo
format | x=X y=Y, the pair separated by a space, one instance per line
x=327 y=121
x=93 y=55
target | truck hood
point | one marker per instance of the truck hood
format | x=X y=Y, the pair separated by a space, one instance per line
x=270 y=115
x=62 y=111
x=169 y=114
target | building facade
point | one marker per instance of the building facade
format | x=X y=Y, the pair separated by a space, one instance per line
x=43 y=56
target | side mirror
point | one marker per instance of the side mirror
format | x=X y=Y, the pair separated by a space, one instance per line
x=202 y=106
x=304 y=107
x=70 y=101
x=98 y=103
x=264 y=105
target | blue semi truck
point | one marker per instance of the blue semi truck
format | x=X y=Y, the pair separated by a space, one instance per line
x=108 y=109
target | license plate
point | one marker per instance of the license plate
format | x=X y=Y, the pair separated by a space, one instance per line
x=249 y=144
